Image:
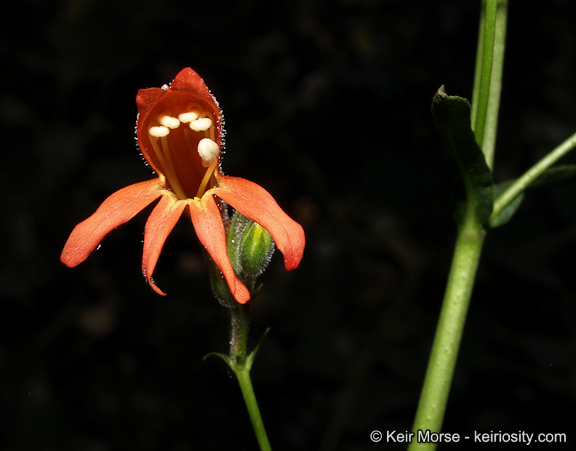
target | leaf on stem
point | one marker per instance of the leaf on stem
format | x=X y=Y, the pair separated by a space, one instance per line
x=470 y=170
x=551 y=176
x=252 y=356
x=506 y=214
x=222 y=356
x=236 y=364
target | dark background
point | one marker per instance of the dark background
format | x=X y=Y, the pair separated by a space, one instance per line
x=327 y=106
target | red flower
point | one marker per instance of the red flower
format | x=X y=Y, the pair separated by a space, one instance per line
x=180 y=135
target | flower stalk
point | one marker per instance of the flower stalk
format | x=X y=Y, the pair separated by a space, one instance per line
x=239 y=325
x=241 y=364
x=250 y=248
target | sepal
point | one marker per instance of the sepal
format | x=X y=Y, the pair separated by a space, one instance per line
x=220 y=287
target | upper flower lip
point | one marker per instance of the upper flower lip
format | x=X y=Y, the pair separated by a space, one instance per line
x=180 y=133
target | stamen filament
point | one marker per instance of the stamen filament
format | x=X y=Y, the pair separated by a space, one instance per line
x=174 y=182
x=206 y=178
x=157 y=151
x=187 y=137
x=167 y=166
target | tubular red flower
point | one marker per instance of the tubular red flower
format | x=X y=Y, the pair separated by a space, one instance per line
x=180 y=134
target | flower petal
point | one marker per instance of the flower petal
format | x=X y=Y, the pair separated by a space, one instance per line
x=257 y=204
x=117 y=209
x=147 y=98
x=177 y=157
x=159 y=225
x=188 y=79
x=209 y=227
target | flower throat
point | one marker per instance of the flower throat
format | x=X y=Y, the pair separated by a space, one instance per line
x=169 y=132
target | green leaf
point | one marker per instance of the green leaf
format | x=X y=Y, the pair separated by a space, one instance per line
x=470 y=170
x=236 y=364
x=506 y=214
x=551 y=176
x=555 y=176
x=222 y=356
x=252 y=356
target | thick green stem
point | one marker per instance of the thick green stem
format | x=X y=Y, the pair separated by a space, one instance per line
x=488 y=76
x=470 y=237
x=434 y=396
x=241 y=363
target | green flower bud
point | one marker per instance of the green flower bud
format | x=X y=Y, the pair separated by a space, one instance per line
x=234 y=230
x=220 y=287
x=250 y=248
x=234 y=234
x=256 y=249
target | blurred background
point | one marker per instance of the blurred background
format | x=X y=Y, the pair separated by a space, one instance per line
x=327 y=105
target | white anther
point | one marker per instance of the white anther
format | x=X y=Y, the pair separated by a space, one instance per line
x=202 y=124
x=189 y=116
x=158 y=131
x=169 y=121
x=208 y=151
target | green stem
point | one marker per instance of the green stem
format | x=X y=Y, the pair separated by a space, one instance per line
x=239 y=322
x=471 y=234
x=483 y=71
x=434 y=396
x=488 y=75
x=243 y=376
x=532 y=174
x=241 y=364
